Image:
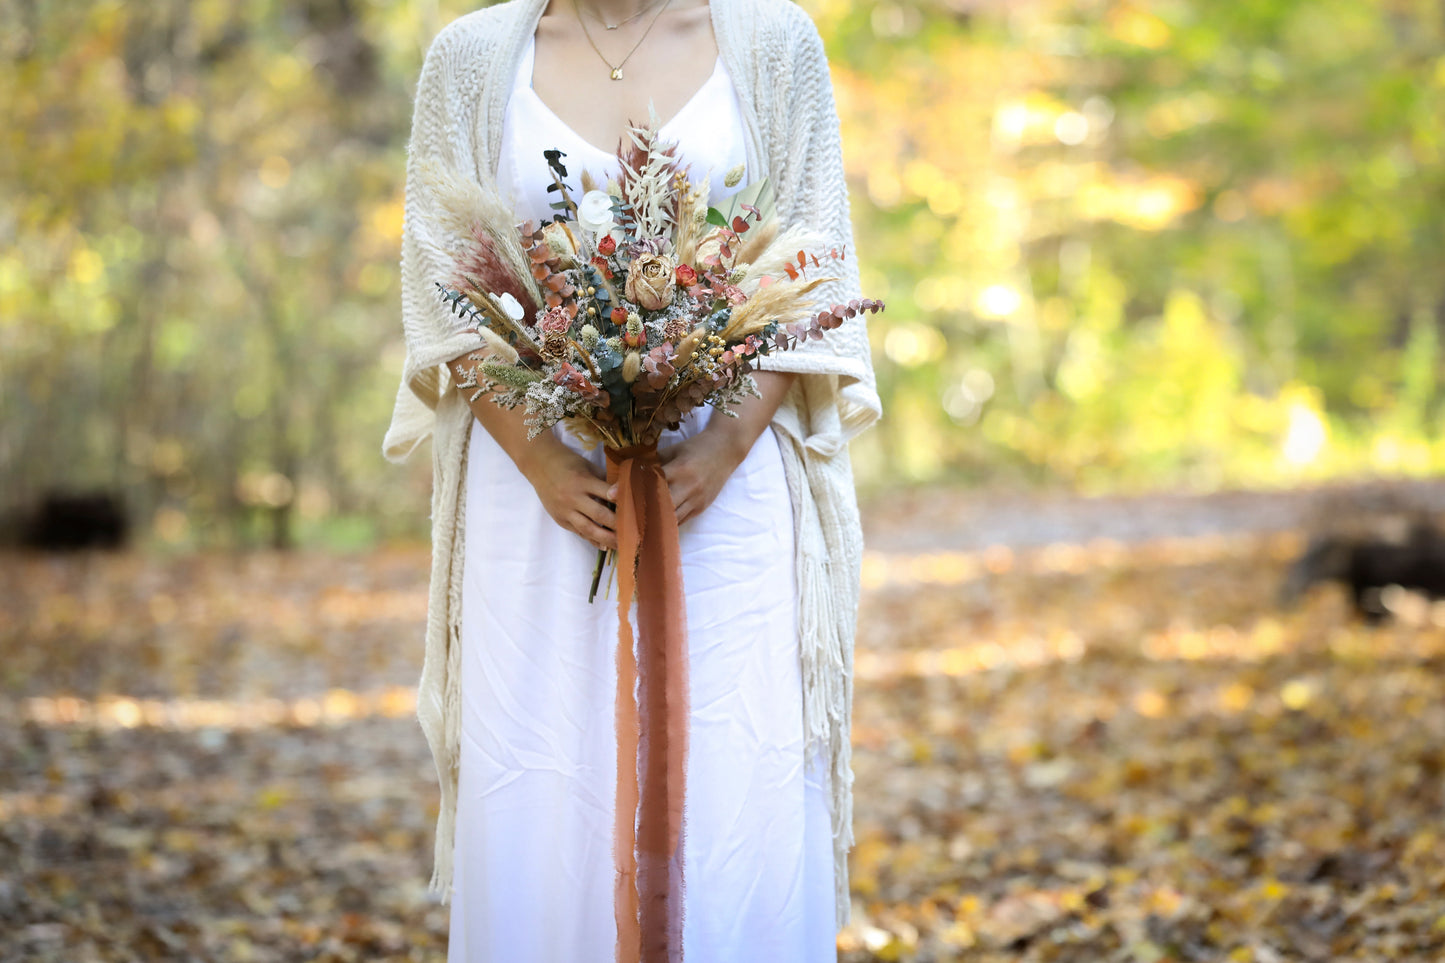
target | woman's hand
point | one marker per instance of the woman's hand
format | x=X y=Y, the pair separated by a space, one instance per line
x=565 y=481
x=569 y=489
x=696 y=469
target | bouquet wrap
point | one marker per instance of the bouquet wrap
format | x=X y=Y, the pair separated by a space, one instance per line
x=652 y=726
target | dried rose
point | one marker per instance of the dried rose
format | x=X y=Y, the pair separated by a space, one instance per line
x=554 y=325
x=607 y=245
x=619 y=315
x=649 y=281
x=709 y=246
x=686 y=276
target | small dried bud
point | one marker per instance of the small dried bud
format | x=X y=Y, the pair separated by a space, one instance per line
x=588 y=336
x=631 y=366
x=633 y=335
x=733 y=177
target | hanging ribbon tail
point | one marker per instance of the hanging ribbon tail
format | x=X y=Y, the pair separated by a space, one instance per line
x=652 y=724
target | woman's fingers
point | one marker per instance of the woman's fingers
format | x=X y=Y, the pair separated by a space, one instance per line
x=598 y=489
x=589 y=484
x=679 y=484
x=599 y=513
x=593 y=532
x=597 y=522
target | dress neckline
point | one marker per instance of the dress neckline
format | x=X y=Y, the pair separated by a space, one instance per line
x=525 y=84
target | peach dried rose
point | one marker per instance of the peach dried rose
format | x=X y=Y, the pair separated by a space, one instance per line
x=649 y=281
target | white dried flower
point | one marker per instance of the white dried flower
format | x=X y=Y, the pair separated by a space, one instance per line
x=734 y=177
x=510 y=306
x=594 y=212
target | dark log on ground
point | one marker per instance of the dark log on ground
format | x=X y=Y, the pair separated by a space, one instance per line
x=71 y=521
x=1367 y=566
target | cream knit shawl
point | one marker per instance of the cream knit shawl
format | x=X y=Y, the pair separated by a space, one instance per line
x=775 y=56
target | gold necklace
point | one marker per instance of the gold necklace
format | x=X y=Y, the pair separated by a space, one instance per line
x=614 y=26
x=617 y=68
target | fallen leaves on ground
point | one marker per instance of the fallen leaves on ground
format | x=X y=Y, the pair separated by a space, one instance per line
x=1090 y=753
x=1139 y=758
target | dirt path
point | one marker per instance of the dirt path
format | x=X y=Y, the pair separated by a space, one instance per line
x=935 y=520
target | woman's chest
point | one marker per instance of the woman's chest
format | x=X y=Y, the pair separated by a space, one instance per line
x=709 y=129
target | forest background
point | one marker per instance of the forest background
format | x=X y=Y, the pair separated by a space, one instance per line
x=1124 y=245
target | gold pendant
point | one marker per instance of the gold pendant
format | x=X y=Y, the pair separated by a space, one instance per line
x=616 y=73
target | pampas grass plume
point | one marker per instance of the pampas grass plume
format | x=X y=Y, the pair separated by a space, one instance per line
x=501 y=350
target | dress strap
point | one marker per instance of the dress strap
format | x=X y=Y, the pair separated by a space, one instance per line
x=527 y=64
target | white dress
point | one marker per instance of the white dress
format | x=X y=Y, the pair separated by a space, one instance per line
x=533 y=860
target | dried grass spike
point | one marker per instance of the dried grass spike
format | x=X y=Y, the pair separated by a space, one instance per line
x=501 y=350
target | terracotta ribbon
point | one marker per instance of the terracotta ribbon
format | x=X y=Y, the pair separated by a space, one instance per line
x=652 y=727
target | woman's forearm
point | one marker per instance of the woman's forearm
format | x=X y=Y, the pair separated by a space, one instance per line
x=753 y=414
x=568 y=486
x=506 y=425
x=697 y=468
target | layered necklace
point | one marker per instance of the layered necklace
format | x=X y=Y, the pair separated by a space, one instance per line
x=616 y=69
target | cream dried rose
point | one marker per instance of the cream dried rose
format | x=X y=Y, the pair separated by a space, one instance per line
x=650 y=282
x=711 y=244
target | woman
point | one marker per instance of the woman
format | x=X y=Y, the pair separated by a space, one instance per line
x=514 y=697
